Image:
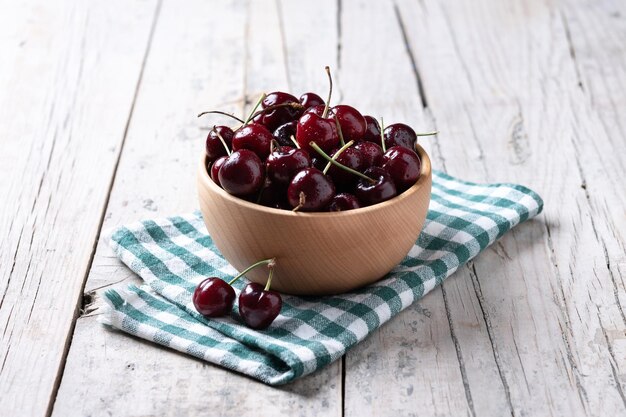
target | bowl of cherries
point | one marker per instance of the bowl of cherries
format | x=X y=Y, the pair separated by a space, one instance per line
x=334 y=198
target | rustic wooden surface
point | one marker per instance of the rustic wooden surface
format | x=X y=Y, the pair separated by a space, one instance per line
x=97 y=127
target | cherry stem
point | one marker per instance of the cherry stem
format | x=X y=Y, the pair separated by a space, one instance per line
x=267 y=262
x=256 y=106
x=330 y=92
x=433 y=133
x=295 y=142
x=336 y=155
x=301 y=201
x=382 y=135
x=220 y=112
x=221 y=140
x=337 y=164
x=291 y=104
x=343 y=142
x=269 y=278
x=274 y=145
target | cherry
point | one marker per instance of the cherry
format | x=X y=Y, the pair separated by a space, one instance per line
x=214 y=146
x=284 y=162
x=371 y=154
x=310 y=100
x=322 y=131
x=254 y=137
x=283 y=133
x=213 y=297
x=334 y=161
x=343 y=202
x=317 y=110
x=272 y=119
x=316 y=125
x=242 y=173
x=403 y=165
x=381 y=190
x=318 y=162
x=310 y=190
x=350 y=158
x=274 y=195
x=215 y=168
x=259 y=307
x=399 y=134
x=372 y=131
x=351 y=121
x=278 y=97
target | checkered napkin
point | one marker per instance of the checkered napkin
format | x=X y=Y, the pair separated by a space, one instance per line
x=172 y=255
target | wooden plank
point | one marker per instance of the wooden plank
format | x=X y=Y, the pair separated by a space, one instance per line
x=413 y=360
x=505 y=96
x=109 y=372
x=126 y=376
x=68 y=77
x=305 y=60
x=595 y=32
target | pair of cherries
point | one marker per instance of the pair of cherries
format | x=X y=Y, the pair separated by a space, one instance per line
x=318 y=158
x=258 y=305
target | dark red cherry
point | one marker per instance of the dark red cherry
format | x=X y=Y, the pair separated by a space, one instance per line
x=310 y=100
x=242 y=173
x=399 y=134
x=258 y=119
x=383 y=189
x=213 y=297
x=214 y=146
x=215 y=168
x=403 y=166
x=318 y=162
x=318 y=110
x=371 y=154
x=258 y=308
x=351 y=158
x=274 y=195
x=343 y=202
x=278 y=97
x=316 y=188
x=272 y=119
x=285 y=162
x=283 y=133
x=255 y=137
x=314 y=128
x=372 y=131
x=352 y=122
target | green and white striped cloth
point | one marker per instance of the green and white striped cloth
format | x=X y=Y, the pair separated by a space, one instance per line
x=172 y=255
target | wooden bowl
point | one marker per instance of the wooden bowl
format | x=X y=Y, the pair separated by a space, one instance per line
x=316 y=253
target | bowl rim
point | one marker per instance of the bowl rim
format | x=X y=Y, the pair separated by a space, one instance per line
x=425 y=174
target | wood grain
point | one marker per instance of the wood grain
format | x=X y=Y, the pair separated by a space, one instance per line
x=181 y=78
x=531 y=92
x=68 y=78
x=503 y=85
x=412 y=359
x=595 y=32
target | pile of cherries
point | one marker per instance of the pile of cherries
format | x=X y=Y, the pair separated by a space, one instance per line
x=302 y=154
x=258 y=305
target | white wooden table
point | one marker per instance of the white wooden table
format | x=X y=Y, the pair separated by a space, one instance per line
x=97 y=127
